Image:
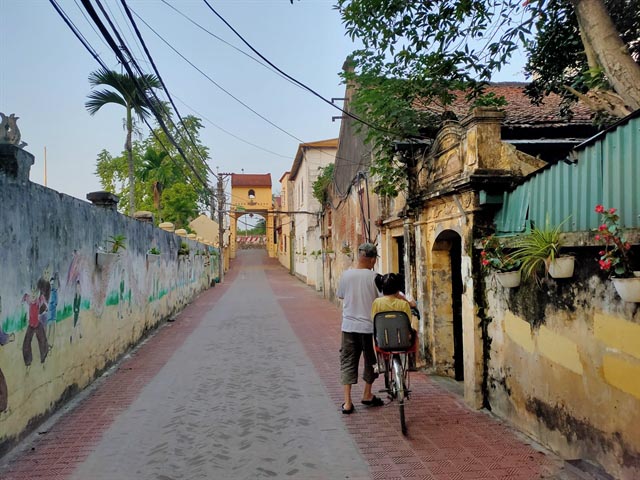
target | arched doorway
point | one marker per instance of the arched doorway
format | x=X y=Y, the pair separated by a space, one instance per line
x=251 y=231
x=446 y=282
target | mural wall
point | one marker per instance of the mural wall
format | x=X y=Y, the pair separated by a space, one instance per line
x=68 y=312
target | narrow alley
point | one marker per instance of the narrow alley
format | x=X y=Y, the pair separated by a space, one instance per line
x=245 y=384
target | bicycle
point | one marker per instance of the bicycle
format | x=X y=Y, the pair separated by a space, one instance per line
x=393 y=342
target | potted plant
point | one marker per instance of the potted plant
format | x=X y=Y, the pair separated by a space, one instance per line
x=615 y=258
x=505 y=267
x=106 y=256
x=183 y=250
x=540 y=250
x=153 y=255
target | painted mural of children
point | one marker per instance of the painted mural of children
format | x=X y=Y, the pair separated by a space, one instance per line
x=37 y=310
x=53 y=307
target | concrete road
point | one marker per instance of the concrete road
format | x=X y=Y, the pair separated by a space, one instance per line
x=238 y=399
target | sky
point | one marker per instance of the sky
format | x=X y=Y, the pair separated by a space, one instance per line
x=44 y=70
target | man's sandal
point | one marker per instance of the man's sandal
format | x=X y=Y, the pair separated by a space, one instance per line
x=348 y=411
x=374 y=402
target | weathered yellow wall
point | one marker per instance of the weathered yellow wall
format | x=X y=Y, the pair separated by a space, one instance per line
x=568 y=373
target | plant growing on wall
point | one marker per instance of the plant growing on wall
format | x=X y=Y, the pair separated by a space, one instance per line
x=539 y=250
x=154 y=251
x=495 y=258
x=321 y=185
x=116 y=243
x=184 y=249
x=615 y=259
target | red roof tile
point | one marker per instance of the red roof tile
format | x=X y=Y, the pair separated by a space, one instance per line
x=250 y=180
x=520 y=112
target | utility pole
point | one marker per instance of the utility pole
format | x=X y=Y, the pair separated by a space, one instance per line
x=221 y=204
x=220 y=227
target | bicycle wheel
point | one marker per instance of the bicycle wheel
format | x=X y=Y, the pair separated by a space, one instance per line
x=398 y=378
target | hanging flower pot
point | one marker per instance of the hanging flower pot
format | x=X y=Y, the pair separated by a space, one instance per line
x=561 y=267
x=509 y=279
x=628 y=288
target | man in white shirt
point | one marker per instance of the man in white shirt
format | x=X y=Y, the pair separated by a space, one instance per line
x=358 y=290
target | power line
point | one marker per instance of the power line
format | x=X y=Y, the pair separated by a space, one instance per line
x=304 y=86
x=227 y=43
x=166 y=42
x=217 y=84
x=164 y=86
x=107 y=36
x=228 y=132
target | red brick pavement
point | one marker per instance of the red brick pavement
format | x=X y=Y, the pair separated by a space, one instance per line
x=56 y=453
x=446 y=440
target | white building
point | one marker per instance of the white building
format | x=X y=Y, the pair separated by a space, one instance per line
x=305 y=217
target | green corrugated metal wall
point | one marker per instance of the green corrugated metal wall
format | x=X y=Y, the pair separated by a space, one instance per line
x=607 y=172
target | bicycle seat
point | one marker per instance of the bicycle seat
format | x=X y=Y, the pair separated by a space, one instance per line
x=392 y=331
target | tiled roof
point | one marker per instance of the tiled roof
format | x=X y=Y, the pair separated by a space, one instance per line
x=520 y=112
x=250 y=180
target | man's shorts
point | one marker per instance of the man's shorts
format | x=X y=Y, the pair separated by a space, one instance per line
x=354 y=344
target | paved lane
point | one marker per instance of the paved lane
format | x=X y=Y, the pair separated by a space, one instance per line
x=239 y=399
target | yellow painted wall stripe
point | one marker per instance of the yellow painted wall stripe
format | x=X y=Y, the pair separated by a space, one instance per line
x=617 y=333
x=519 y=331
x=559 y=349
x=622 y=374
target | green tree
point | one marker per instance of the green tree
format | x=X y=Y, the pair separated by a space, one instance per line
x=179 y=204
x=122 y=91
x=196 y=152
x=157 y=173
x=155 y=170
x=417 y=55
x=114 y=175
x=559 y=61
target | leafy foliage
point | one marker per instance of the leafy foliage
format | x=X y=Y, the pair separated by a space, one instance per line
x=538 y=248
x=557 y=58
x=495 y=257
x=156 y=170
x=416 y=56
x=179 y=204
x=123 y=91
x=116 y=243
x=321 y=185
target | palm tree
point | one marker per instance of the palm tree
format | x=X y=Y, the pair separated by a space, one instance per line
x=155 y=169
x=123 y=92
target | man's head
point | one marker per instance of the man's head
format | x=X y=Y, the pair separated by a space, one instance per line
x=368 y=250
x=367 y=255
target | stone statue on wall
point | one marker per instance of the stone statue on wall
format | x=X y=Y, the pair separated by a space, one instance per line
x=9 y=131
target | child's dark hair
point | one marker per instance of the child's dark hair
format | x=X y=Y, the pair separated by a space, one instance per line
x=392 y=283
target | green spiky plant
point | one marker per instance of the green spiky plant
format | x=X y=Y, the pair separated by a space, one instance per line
x=116 y=243
x=537 y=249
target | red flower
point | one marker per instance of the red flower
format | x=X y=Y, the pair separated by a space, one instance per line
x=483 y=253
x=485 y=262
x=601 y=252
x=599 y=209
x=597 y=237
x=627 y=246
x=605 y=264
x=603 y=227
x=612 y=211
